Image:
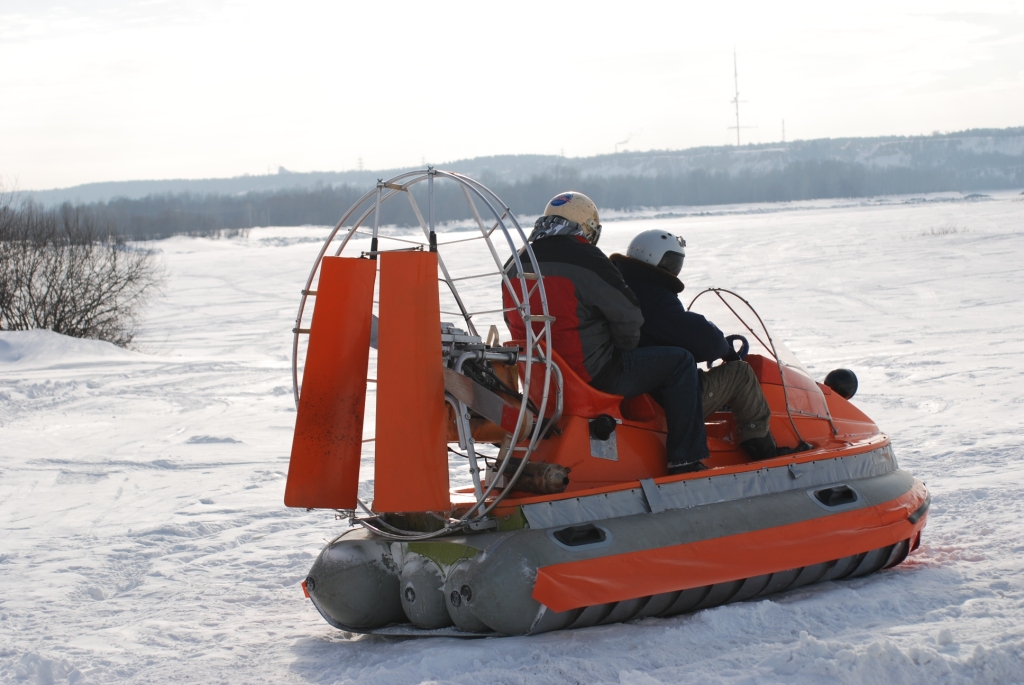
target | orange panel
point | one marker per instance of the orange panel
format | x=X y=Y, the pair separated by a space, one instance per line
x=678 y=567
x=766 y=370
x=641 y=454
x=849 y=420
x=324 y=468
x=411 y=463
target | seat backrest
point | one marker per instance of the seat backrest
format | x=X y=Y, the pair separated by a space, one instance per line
x=579 y=398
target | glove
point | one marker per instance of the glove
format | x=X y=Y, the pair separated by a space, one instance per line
x=732 y=355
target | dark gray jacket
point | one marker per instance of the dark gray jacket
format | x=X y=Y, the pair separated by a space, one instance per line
x=596 y=315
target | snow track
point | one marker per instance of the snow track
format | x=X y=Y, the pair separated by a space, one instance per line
x=144 y=538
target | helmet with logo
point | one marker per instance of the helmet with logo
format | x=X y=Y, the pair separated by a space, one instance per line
x=659 y=248
x=579 y=209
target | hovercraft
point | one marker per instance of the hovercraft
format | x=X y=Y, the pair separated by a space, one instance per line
x=567 y=517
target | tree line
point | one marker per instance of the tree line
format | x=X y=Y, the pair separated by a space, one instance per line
x=161 y=216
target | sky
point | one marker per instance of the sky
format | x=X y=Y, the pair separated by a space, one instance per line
x=105 y=90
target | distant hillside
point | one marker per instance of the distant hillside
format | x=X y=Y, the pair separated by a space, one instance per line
x=506 y=166
x=981 y=155
x=799 y=170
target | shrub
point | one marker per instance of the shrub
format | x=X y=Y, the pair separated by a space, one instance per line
x=61 y=271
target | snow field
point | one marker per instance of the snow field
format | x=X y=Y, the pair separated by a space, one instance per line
x=144 y=537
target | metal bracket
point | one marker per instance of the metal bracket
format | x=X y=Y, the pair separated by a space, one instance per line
x=653 y=495
x=485 y=524
x=373 y=253
x=605 y=449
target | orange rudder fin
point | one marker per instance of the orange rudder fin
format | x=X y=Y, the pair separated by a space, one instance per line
x=411 y=451
x=324 y=467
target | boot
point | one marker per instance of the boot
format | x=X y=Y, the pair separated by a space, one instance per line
x=687 y=467
x=760 y=448
x=802 y=447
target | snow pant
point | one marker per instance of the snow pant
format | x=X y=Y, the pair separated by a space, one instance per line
x=734 y=385
x=669 y=374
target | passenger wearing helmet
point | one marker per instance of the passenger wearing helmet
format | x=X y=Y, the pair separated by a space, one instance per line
x=651 y=268
x=597 y=323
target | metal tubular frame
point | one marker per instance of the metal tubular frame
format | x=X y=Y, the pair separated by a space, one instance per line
x=538 y=325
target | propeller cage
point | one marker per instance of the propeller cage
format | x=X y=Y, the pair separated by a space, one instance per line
x=492 y=235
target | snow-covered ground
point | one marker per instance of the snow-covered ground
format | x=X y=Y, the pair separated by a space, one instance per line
x=144 y=537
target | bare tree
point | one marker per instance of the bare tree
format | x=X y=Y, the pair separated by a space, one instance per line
x=60 y=271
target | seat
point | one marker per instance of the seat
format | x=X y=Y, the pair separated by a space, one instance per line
x=579 y=398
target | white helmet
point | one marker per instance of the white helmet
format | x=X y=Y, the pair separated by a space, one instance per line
x=659 y=248
x=577 y=207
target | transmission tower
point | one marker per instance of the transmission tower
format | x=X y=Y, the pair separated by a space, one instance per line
x=736 y=98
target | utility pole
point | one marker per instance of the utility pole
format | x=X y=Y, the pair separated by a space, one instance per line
x=360 y=163
x=783 y=130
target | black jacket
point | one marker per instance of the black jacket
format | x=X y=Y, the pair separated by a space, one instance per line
x=666 y=321
x=596 y=316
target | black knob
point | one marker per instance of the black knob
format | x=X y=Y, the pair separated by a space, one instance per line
x=843 y=382
x=602 y=427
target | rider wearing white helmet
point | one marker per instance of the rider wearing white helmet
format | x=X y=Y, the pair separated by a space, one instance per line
x=651 y=267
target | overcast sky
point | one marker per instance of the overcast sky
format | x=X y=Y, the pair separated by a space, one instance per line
x=97 y=90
